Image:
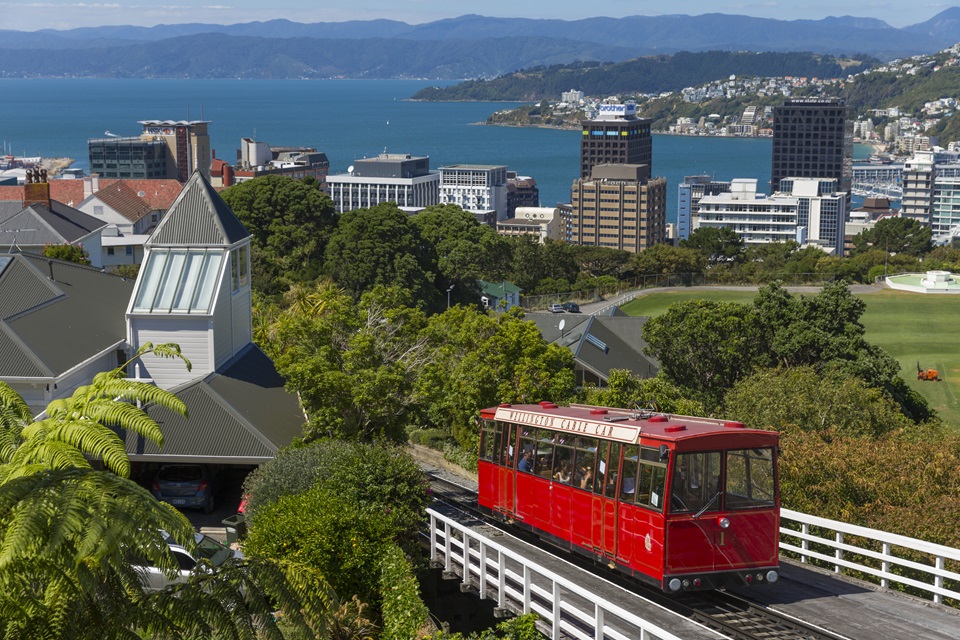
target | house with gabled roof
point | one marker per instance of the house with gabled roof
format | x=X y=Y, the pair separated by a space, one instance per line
x=38 y=221
x=61 y=323
x=129 y=221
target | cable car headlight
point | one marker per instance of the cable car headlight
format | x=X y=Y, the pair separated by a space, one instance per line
x=674 y=584
x=772 y=576
x=724 y=523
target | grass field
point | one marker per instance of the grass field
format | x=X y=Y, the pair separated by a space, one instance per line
x=912 y=327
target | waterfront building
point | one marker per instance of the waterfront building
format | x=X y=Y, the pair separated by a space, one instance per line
x=615 y=136
x=572 y=97
x=171 y=149
x=256 y=159
x=812 y=138
x=522 y=191
x=400 y=178
x=541 y=222
x=919 y=174
x=689 y=193
x=945 y=209
x=480 y=189
x=805 y=210
x=619 y=207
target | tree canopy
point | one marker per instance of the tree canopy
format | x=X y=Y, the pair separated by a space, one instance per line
x=895 y=235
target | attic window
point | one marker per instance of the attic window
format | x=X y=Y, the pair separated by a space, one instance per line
x=178 y=281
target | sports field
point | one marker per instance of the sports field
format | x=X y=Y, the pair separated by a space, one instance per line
x=912 y=327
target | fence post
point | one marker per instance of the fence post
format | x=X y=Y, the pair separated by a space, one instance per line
x=885 y=565
x=838 y=554
x=804 y=544
x=938 y=580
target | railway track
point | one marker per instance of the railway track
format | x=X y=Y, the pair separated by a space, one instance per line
x=728 y=614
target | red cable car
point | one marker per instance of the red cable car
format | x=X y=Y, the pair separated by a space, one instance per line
x=680 y=502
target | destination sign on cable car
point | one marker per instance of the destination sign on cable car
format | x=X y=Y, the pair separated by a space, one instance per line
x=612 y=430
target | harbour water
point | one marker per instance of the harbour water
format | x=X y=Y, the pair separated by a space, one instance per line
x=346 y=119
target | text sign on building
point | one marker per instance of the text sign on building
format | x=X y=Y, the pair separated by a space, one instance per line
x=614 y=431
x=617 y=110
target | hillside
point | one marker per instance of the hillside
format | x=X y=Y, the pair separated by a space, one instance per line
x=470 y=46
x=649 y=75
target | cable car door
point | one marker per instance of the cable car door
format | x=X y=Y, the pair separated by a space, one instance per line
x=604 y=504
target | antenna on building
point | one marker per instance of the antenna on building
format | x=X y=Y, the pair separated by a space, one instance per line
x=350 y=169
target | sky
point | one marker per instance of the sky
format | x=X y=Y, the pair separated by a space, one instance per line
x=31 y=15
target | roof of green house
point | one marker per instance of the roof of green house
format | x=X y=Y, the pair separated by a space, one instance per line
x=239 y=415
x=55 y=315
x=198 y=217
x=497 y=288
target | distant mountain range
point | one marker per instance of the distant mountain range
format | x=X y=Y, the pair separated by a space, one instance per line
x=470 y=46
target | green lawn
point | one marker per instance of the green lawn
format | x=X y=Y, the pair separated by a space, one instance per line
x=912 y=327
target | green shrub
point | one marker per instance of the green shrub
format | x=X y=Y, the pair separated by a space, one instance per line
x=404 y=613
x=432 y=438
x=326 y=531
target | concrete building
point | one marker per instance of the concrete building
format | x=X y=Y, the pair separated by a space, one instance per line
x=619 y=207
x=919 y=174
x=256 y=159
x=689 y=193
x=945 y=208
x=480 y=189
x=542 y=222
x=395 y=177
x=522 y=191
x=171 y=149
x=812 y=138
x=807 y=210
x=615 y=136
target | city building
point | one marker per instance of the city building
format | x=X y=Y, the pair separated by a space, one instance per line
x=919 y=174
x=805 y=210
x=257 y=159
x=813 y=138
x=689 y=193
x=171 y=149
x=541 y=222
x=615 y=136
x=129 y=221
x=945 y=208
x=619 y=207
x=400 y=178
x=522 y=191
x=480 y=189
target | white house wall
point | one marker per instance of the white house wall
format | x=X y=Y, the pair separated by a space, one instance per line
x=222 y=320
x=242 y=319
x=195 y=337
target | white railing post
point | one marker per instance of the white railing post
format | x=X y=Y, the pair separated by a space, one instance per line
x=502 y=580
x=483 y=570
x=466 y=558
x=447 y=555
x=885 y=565
x=597 y=622
x=526 y=589
x=805 y=529
x=555 y=631
x=938 y=580
x=433 y=537
x=838 y=554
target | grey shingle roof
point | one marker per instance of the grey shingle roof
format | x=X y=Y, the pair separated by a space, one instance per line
x=199 y=217
x=47 y=327
x=38 y=225
x=241 y=415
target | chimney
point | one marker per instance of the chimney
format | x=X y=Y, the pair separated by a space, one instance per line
x=37 y=189
x=91 y=184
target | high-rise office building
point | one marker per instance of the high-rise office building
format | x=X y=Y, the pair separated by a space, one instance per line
x=812 y=138
x=615 y=136
x=480 y=189
x=619 y=207
x=171 y=149
x=918 y=177
x=689 y=193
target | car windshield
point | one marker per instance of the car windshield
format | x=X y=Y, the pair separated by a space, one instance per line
x=181 y=473
x=212 y=550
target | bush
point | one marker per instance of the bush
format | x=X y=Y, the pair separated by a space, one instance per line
x=404 y=613
x=325 y=530
x=380 y=479
x=432 y=438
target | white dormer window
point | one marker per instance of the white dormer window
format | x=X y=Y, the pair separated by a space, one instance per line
x=179 y=281
x=240 y=269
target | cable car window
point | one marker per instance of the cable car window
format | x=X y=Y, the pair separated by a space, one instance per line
x=608 y=481
x=506 y=451
x=585 y=461
x=628 y=488
x=563 y=459
x=696 y=482
x=600 y=469
x=750 y=479
x=528 y=449
x=490 y=440
x=544 y=464
x=651 y=479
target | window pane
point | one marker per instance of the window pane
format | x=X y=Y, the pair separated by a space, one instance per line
x=187 y=284
x=696 y=482
x=585 y=462
x=209 y=276
x=750 y=479
x=628 y=487
x=151 y=280
x=171 y=277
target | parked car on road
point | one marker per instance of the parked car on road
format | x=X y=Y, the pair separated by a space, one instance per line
x=571 y=307
x=555 y=308
x=207 y=549
x=192 y=486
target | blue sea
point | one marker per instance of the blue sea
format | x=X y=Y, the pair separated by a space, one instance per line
x=346 y=119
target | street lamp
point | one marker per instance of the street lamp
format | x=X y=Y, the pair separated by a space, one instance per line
x=449 y=289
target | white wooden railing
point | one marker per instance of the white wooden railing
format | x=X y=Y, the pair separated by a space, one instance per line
x=565 y=608
x=823 y=540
